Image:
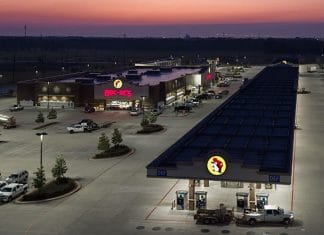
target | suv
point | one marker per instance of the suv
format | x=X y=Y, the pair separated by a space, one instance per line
x=16 y=107
x=19 y=177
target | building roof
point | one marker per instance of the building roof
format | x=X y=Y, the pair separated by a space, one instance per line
x=143 y=76
x=255 y=126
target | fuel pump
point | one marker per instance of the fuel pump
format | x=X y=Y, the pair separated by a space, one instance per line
x=201 y=199
x=241 y=200
x=262 y=200
x=182 y=198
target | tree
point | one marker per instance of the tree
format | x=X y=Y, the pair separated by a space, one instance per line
x=40 y=179
x=104 y=143
x=152 y=118
x=52 y=114
x=116 y=138
x=145 y=122
x=40 y=117
x=59 y=169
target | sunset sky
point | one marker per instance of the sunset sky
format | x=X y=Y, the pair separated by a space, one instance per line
x=56 y=14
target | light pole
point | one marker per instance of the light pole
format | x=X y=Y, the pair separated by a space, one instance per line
x=48 y=94
x=41 y=135
x=143 y=98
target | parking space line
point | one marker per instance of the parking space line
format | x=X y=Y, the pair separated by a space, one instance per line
x=162 y=199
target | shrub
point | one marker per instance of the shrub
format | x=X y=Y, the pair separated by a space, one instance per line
x=40 y=117
x=145 y=122
x=152 y=118
x=52 y=114
x=116 y=138
x=114 y=152
x=40 y=179
x=50 y=190
x=103 y=142
x=59 y=169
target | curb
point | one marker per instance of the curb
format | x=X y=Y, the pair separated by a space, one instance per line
x=77 y=188
x=125 y=155
x=154 y=133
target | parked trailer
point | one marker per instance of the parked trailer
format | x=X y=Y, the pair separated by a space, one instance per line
x=207 y=216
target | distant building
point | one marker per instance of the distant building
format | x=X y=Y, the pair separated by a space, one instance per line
x=123 y=90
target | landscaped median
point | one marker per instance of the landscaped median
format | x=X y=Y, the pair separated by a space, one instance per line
x=150 y=128
x=114 y=151
x=51 y=191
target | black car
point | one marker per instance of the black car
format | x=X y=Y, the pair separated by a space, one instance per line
x=204 y=96
x=182 y=108
x=218 y=96
x=224 y=92
x=89 y=109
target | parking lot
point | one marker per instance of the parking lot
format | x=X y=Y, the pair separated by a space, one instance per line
x=117 y=198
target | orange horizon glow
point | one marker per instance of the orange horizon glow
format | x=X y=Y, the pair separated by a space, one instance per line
x=148 y=12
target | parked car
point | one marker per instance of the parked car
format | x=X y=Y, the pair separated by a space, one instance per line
x=11 y=191
x=270 y=213
x=195 y=101
x=223 y=92
x=211 y=92
x=2 y=184
x=135 y=112
x=156 y=111
x=190 y=104
x=223 y=84
x=19 y=177
x=89 y=109
x=218 y=96
x=182 y=108
x=16 y=107
x=204 y=96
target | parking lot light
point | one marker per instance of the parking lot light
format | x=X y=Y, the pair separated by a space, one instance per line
x=41 y=135
x=48 y=94
x=143 y=98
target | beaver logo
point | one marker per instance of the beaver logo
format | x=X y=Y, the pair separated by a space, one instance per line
x=216 y=165
x=118 y=83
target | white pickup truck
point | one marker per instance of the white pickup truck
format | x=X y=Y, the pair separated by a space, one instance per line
x=12 y=191
x=270 y=214
x=78 y=128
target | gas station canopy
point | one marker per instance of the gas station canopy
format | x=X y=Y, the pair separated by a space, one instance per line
x=248 y=138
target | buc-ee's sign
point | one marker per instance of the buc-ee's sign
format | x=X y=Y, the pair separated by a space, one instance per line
x=216 y=165
x=118 y=84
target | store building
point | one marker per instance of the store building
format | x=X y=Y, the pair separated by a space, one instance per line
x=156 y=87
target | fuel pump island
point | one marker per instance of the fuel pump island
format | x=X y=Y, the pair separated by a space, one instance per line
x=246 y=140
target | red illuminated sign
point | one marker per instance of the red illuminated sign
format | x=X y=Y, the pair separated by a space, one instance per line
x=122 y=92
x=209 y=76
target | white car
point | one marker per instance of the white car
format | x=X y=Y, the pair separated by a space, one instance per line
x=11 y=191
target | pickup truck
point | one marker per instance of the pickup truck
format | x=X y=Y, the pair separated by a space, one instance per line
x=12 y=191
x=270 y=214
x=78 y=128
x=16 y=107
